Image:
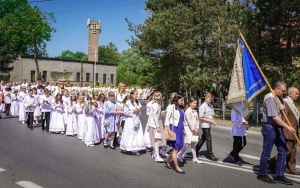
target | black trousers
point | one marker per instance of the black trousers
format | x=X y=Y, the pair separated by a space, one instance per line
x=45 y=119
x=7 y=108
x=239 y=142
x=29 y=121
x=206 y=137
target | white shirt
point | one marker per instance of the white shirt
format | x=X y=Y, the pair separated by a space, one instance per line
x=238 y=129
x=30 y=100
x=206 y=111
x=45 y=107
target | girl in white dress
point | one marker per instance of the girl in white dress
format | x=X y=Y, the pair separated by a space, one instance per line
x=65 y=99
x=100 y=116
x=111 y=113
x=14 y=108
x=57 y=119
x=22 y=113
x=71 y=128
x=132 y=135
x=191 y=128
x=146 y=133
x=80 y=109
x=155 y=126
x=37 y=112
x=90 y=133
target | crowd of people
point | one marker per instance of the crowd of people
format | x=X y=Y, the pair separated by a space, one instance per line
x=110 y=115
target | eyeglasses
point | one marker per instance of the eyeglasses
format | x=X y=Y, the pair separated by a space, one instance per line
x=283 y=91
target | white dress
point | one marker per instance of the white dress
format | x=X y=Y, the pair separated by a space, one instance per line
x=90 y=133
x=65 y=100
x=57 y=118
x=37 y=111
x=14 y=108
x=81 y=116
x=22 y=113
x=99 y=120
x=71 y=128
x=146 y=133
x=132 y=136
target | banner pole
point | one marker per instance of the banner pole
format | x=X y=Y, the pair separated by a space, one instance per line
x=264 y=77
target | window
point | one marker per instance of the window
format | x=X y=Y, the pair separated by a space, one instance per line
x=87 y=77
x=44 y=77
x=78 y=77
x=32 y=76
x=97 y=77
x=104 y=78
x=112 y=78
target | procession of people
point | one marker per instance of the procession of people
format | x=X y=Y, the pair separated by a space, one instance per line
x=106 y=115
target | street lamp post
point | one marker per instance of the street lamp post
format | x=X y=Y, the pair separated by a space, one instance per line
x=95 y=66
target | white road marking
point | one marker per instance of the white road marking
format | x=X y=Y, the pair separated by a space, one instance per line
x=2 y=170
x=257 y=158
x=249 y=156
x=245 y=168
x=28 y=184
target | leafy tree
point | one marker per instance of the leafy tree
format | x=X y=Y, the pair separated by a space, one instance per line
x=132 y=68
x=274 y=27
x=23 y=29
x=67 y=54
x=108 y=53
x=192 y=50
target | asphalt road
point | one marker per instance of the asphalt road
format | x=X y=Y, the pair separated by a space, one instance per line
x=39 y=159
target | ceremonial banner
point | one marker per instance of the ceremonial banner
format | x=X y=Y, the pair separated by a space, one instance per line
x=246 y=80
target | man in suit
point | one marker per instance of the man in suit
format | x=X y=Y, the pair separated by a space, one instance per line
x=291 y=143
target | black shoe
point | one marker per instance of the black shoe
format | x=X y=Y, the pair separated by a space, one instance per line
x=180 y=172
x=105 y=146
x=47 y=130
x=272 y=166
x=137 y=153
x=213 y=158
x=167 y=164
x=283 y=180
x=31 y=128
x=265 y=178
x=112 y=147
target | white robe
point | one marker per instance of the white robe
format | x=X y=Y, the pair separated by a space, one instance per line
x=57 y=118
x=71 y=128
x=81 y=116
x=132 y=136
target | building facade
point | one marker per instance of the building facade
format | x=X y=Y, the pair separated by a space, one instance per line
x=60 y=70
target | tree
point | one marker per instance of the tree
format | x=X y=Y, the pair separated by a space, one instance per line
x=192 y=50
x=67 y=54
x=133 y=69
x=23 y=29
x=274 y=29
x=108 y=53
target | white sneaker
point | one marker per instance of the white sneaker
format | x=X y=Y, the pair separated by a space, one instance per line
x=180 y=158
x=163 y=153
x=23 y=122
x=159 y=159
x=197 y=161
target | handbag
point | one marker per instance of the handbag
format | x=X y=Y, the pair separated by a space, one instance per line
x=157 y=135
x=137 y=122
x=167 y=137
x=195 y=139
x=106 y=122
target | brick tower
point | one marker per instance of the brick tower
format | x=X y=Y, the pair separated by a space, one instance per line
x=94 y=29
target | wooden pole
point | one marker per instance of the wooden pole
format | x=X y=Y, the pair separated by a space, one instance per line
x=268 y=84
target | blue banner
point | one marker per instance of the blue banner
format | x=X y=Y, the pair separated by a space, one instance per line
x=254 y=81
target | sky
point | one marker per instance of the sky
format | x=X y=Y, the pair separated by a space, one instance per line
x=71 y=22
